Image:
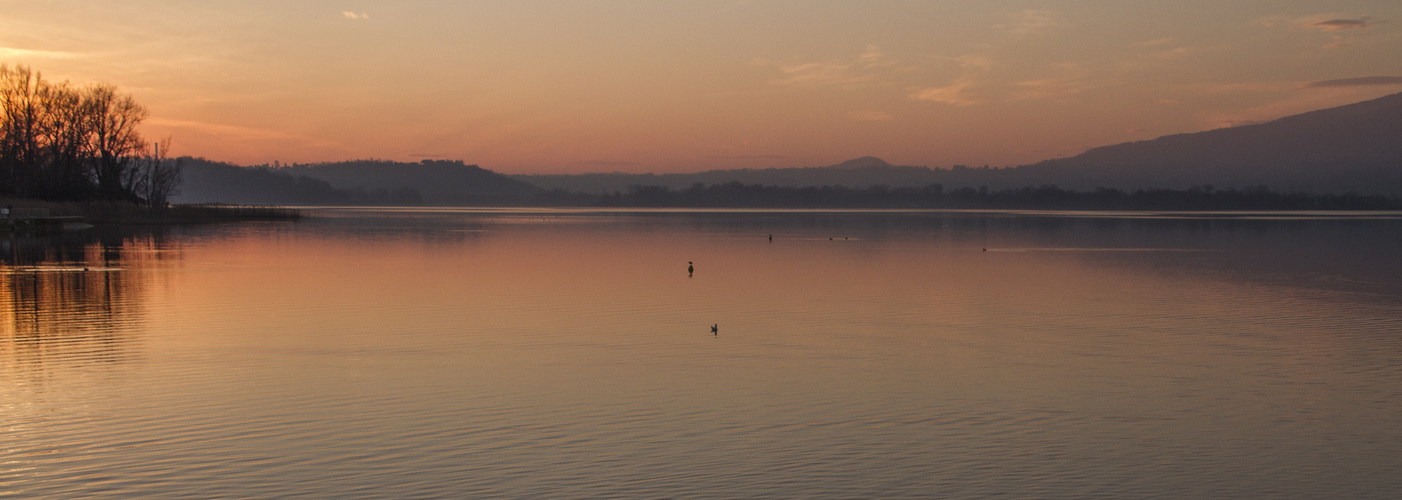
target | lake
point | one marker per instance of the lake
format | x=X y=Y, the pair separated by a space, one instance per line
x=479 y=353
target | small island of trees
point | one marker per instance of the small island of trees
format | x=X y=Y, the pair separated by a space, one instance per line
x=61 y=142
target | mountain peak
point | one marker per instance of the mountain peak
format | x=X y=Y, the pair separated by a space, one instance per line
x=1355 y=147
x=863 y=162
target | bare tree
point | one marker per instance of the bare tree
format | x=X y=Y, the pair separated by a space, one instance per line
x=155 y=178
x=64 y=128
x=19 y=129
x=113 y=140
x=44 y=136
x=62 y=142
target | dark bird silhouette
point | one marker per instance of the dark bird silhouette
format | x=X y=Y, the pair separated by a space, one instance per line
x=715 y=329
x=689 y=268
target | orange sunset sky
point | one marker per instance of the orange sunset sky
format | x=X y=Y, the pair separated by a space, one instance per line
x=669 y=86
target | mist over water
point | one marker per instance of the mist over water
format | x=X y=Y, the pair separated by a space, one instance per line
x=548 y=353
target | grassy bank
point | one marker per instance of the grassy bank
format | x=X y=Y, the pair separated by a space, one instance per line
x=103 y=212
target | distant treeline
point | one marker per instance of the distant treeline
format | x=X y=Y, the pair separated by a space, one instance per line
x=356 y=182
x=738 y=195
x=452 y=183
x=210 y=182
x=61 y=142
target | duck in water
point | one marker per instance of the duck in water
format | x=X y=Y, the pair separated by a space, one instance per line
x=715 y=329
x=689 y=268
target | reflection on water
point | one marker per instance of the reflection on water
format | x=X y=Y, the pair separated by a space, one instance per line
x=538 y=353
x=66 y=314
x=71 y=299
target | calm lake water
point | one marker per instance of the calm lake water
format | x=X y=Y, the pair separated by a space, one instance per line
x=565 y=354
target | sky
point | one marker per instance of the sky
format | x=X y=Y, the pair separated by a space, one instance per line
x=567 y=86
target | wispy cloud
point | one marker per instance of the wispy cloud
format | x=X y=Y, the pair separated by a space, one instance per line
x=1031 y=22
x=871 y=67
x=1051 y=87
x=355 y=16
x=1165 y=50
x=873 y=58
x=1339 y=24
x=1363 y=81
x=822 y=74
x=958 y=93
x=14 y=53
x=235 y=132
x=1341 y=30
x=974 y=62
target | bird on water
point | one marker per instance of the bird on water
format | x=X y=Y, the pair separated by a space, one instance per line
x=689 y=268
x=715 y=329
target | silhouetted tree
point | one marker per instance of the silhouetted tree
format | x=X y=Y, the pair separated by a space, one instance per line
x=64 y=127
x=62 y=142
x=155 y=178
x=114 y=139
x=20 y=110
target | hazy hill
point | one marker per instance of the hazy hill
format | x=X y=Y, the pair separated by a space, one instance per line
x=204 y=181
x=1352 y=148
x=438 y=182
x=861 y=172
x=1357 y=147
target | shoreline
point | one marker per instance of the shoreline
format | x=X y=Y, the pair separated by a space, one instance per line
x=38 y=216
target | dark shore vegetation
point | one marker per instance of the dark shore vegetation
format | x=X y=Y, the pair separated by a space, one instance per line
x=60 y=142
x=74 y=151
x=128 y=213
x=28 y=215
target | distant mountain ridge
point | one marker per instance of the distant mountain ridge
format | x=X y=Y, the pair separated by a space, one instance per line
x=860 y=172
x=1352 y=148
x=1356 y=147
x=865 y=162
x=439 y=182
x=205 y=181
